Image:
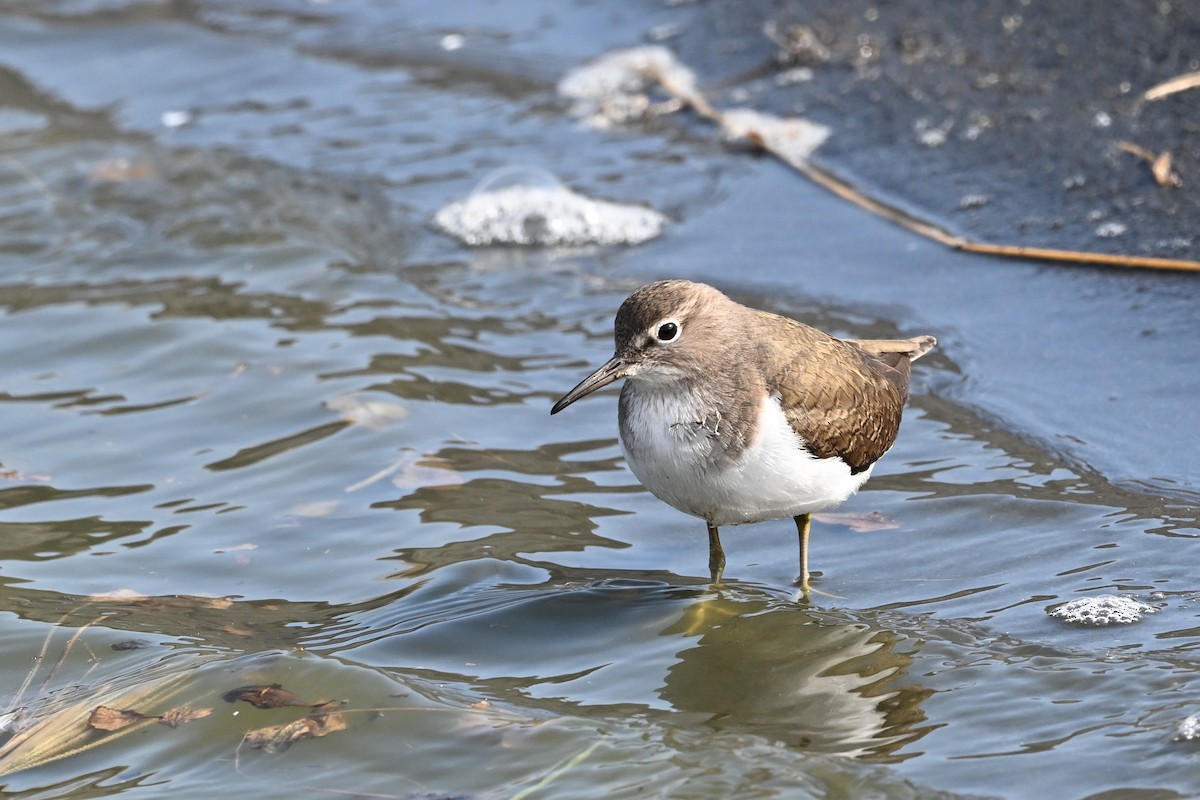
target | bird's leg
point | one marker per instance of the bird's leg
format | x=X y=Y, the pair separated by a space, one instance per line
x=716 y=556
x=803 y=523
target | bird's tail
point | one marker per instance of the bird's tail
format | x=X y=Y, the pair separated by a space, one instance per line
x=914 y=348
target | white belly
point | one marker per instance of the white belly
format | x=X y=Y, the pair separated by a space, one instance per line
x=773 y=477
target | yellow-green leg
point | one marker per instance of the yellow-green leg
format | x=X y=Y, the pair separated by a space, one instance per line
x=716 y=556
x=803 y=523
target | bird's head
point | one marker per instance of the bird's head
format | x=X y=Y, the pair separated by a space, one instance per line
x=664 y=332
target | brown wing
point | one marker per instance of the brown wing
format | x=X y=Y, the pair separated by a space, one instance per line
x=844 y=398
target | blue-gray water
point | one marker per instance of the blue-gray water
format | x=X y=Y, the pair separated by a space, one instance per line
x=187 y=308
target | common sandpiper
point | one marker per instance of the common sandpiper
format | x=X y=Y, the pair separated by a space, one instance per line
x=737 y=415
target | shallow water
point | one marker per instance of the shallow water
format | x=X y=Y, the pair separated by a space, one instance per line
x=262 y=419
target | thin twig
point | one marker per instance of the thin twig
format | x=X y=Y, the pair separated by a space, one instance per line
x=1190 y=80
x=1136 y=150
x=65 y=652
x=1080 y=257
x=32 y=178
x=37 y=663
x=378 y=476
x=1160 y=163
x=558 y=770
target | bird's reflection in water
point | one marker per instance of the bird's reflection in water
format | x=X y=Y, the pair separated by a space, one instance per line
x=741 y=658
x=820 y=681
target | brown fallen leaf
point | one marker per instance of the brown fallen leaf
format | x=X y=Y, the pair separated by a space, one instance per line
x=121 y=170
x=1160 y=164
x=130 y=644
x=8 y=474
x=330 y=723
x=1164 y=175
x=48 y=735
x=277 y=738
x=238 y=630
x=273 y=696
x=104 y=718
x=178 y=716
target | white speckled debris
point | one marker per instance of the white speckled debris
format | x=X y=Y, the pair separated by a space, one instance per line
x=530 y=207
x=614 y=88
x=791 y=138
x=362 y=410
x=1188 y=729
x=1105 y=609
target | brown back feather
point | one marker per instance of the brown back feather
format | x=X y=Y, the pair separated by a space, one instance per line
x=843 y=397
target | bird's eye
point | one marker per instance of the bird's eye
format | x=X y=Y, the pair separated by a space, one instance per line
x=667 y=331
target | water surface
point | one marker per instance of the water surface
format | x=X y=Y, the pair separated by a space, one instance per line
x=261 y=420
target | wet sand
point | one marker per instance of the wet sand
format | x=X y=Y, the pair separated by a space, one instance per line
x=1001 y=120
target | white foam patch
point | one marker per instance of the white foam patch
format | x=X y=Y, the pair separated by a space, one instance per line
x=530 y=207
x=791 y=138
x=1188 y=729
x=614 y=88
x=1107 y=609
x=373 y=414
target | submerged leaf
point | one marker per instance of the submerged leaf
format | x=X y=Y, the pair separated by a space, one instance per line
x=178 y=716
x=238 y=630
x=277 y=738
x=113 y=719
x=121 y=170
x=330 y=723
x=273 y=696
x=130 y=644
x=8 y=474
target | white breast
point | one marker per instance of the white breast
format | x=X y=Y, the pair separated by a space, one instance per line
x=773 y=478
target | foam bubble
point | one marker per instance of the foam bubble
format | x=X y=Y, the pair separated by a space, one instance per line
x=1105 y=609
x=528 y=206
x=1188 y=729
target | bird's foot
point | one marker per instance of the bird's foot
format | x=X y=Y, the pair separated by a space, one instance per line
x=805 y=580
x=805 y=585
